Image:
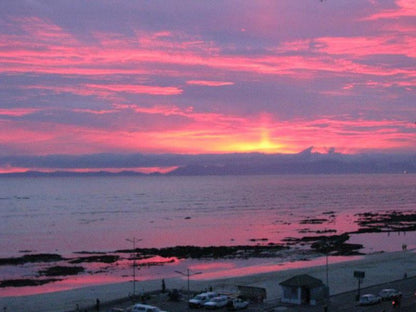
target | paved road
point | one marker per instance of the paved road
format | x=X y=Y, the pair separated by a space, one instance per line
x=344 y=302
x=407 y=286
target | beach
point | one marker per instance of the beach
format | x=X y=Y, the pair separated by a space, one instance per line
x=379 y=268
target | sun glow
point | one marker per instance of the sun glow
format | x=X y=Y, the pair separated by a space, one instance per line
x=262 y=143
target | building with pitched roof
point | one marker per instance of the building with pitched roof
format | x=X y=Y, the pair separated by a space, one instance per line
x=303 y=289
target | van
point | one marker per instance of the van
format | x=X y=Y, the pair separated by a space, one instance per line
x=145 y=308
x=200 y=299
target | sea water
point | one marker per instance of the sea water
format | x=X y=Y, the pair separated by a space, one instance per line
x=70 y=214
x=66 y=215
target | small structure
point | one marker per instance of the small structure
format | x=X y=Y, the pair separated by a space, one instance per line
x=254 y=294
x=303 y=289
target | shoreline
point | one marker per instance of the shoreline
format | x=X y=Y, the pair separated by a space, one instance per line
x=340 y=280
x=39 y=270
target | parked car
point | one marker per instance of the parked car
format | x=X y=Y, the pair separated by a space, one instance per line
x=200 y=299
x=145 y=308
x=216 y=302
x=389 y=293
x=237 y=304
x=368 y=299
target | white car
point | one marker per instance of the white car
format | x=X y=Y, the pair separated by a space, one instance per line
x=199 y=300
x=145 y=308
x=237 y=304
x=216 y=302
x=368 y=299
x=389 y=293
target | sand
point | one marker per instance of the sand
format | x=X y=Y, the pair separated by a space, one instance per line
x=379 y=268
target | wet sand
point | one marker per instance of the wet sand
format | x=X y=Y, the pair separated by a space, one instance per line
x=379 y=268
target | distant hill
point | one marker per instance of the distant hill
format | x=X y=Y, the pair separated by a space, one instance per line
x=305 y=162
x=71 y=174
x=302 y=163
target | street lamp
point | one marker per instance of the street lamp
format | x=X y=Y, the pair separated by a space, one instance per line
x=133 y=240
x=327 y=247
x=188 y=274
x=327 y=280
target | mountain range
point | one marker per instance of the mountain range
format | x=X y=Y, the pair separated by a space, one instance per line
x=305 y=162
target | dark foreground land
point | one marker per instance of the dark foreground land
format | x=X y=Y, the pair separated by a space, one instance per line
x=345 y=302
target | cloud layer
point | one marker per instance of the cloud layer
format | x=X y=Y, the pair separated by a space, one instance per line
x=191 y=77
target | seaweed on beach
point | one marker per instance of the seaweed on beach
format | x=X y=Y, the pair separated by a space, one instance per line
x=26 y=282
x=31 y=259
x=62 y=270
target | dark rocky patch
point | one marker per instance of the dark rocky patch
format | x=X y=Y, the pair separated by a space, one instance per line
x=101 y=259
x=303 y=231
x=31 y=259
x=215 y=252
x=84 y=252
x=153 y=263
x=62 y=271
x=258 y=239
x=386 y=221
x=313 y=221
x=26 y=282
x=325 y=231
x=335 y=245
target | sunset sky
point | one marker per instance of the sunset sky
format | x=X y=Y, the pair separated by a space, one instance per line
x=206 y=77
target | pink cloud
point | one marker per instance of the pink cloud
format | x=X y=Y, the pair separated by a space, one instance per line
x=365 y=46
x=94 y=112
x=140 y=89
x=209 y=83
x=405 y=8
x=166 y=110
x=17 y=112
x=39 y=46
x=108 y=91
x=41 y=31
x=219 y=133
x=115 y=54
x=209 y=133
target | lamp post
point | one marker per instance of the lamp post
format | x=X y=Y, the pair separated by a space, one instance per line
x=359 y=275
x=327 y=280
x=327 y=247
x=133 y=240
x=188 y=274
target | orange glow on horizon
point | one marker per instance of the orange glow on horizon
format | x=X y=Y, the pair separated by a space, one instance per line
x=208 y=133
x=263 y=144
x=209 y=83
x=145 y=170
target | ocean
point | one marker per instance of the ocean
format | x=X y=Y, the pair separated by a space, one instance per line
x=66 y=215
x=99 y=213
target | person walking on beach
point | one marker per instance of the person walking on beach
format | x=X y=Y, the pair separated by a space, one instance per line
x=97 y=305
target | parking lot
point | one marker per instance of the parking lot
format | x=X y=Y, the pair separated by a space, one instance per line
x=345 y=302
